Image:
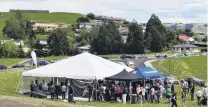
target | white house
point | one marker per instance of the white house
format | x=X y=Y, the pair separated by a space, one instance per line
x=85 y=48
x=184 y=47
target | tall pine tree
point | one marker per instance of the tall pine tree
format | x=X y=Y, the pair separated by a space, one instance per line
x=155 y=39
x=134 y=42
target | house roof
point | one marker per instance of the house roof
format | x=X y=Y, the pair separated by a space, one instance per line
x=84 y=47
x=183 y=37
x=185 y=46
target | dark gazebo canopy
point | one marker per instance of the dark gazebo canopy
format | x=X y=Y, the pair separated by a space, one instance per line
x=124 y=76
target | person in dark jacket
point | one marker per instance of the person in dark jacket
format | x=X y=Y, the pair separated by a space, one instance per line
x=172 y=88
x=113 y=93
x=70 y=93
x=173 y=100
x=107 y=92
x=52 y=90
x=31 y=89
x=192 y=93
x=89 y=92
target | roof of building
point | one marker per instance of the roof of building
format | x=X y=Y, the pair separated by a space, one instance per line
x=84 y=47
x=183 y=37
x=185 y=46
x=45 y=24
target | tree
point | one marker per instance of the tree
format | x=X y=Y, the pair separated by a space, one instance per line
x=106 y=39
x=204 y=39
x=9 y=49
x=59 y=43
x=155 y=39
x=134 y=42
x=17 y=27
x=91 y=16
x=83 y=42
x=20 y=52
x=41 y=30
x=82 y=19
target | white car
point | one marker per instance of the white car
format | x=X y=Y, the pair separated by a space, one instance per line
x=172 y=80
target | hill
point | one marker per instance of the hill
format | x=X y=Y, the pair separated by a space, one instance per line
x=58 y=17
x=193 y=66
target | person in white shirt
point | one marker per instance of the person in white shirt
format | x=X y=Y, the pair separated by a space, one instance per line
x=45 y=87
x=143 y=94
x=199 y=94
x=206 y=93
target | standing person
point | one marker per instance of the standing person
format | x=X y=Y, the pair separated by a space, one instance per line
x=138 y=90
x=35 y=89
x=118 y=91
x=36 y=82
x=107 y=93
x=113 y=93
x=31 y=89
x=184 y=97
x=52 y=91
x=89 y=92
x=152 y=94
x=148 y=91
x=101 y=90
x=199 y=94
x=206 y=92
x=173 y=100
x=63 y=89
x=192 y=93
x=70 y=93
x=124 y=94
x=143 y=94
x=168 y=94
x=45 y=87
x=172 y=88
x=161 y=91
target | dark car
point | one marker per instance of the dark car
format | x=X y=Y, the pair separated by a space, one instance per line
x=123 y=56
x=159 y=55
x=3 y=67
x=42 y=63
x=105 y=57
x=197 y=81
x=18 y=66
x=142 y=56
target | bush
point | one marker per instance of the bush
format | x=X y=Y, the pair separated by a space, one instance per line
x=9 y=49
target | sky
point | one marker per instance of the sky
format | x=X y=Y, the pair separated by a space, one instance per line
x=169 y=11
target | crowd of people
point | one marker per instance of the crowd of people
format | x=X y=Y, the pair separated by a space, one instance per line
x=53 y=90
x=151 y=91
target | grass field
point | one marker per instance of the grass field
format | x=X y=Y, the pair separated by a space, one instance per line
x=10 y=61
x=57 y=17
x=193 y=66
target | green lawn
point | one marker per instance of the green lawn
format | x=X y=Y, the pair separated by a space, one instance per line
x=193 y=66
x=42 y=37
x=57 y=17
x=10 y=61
x=9 y=82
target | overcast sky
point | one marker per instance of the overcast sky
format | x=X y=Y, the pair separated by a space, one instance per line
x=185 y=11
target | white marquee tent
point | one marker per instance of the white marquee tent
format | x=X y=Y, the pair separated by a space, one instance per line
x=82 y=66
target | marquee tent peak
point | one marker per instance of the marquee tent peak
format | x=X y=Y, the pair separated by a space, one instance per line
x=81 y=66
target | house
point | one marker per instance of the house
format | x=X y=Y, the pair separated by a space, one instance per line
x=48 y=26
x=184 y=47
x=186 y=38
x=119 y=20
x=85 y=48
x=17 y=42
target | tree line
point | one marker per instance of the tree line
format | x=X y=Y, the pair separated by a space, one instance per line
x=103 y=39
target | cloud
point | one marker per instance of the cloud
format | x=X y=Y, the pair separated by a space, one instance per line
x=168 y=10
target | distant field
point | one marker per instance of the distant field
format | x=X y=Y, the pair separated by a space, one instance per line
x=10 y=61
x=58 y=17
x=194 y=66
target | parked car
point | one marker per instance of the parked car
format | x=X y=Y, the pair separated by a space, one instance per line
x=131 y=64
x=42 y=62
x=142 y=56
x=159 y=55
x=3 y=67
x=55 y=60
x=172 y=80
x=127 y=56
x=178 y=55
x=197 y=81
x=18 y=66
